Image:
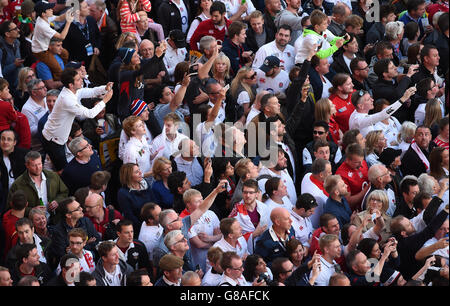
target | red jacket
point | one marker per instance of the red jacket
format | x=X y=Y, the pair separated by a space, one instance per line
x=9 y=225
x=315 y=246
x=207 y=27
x=7 y=115
x=22 y=127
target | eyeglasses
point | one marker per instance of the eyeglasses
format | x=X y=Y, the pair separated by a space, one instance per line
x=85 y=147
x=181 y=240
x=252 y=76
x=376 y=200
x=76 y=242
x=13 y=29
x=288 y=271
x=248 y=192
x=31 y=76
x=365 y=68
x=239 y=268
x=76 y=209
x=318 y=132
x=40 y=88
x=177 y=219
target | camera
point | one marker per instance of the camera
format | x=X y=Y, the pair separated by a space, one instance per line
x=225 y=185
x=265 y=277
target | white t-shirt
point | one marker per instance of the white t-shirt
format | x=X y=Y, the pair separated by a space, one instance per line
x=232 y=7
x=309 y=187
x=42 y=35
x=243 y=98
x=150 y=235
x=327 y=270
x=287 y=180
x=251 y=114
x=272 y=85
x=208 y=143
x=205 y=224
x=7 y=163
x=390 y=130
x=287 y=204
x=326 y=88
x=124 y=139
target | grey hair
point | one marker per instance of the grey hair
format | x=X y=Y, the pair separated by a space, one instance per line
x=74 y=145
x=170 y=238
x=375 y=172
x=205 y=42
x=32 y=83
x=426 y=183
x=393 y=29
x=32 y=155
x=410 y=177
x=53 y=92
x=188 y=277
x=163 y=217
x=407 y=131
x=436 y=18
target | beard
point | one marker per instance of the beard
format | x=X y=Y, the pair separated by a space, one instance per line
x=279 y=168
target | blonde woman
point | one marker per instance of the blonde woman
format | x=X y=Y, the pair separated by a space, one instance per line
x=126 y=36
x=375 y=144
x=243 y=89
x=21 y=95
x=324 y=111
x=406 y=136
x=217 y=67
x=433 y=114
x=162 y=168
x=378 y=203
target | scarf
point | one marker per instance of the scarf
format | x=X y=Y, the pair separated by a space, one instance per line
x=419 y=153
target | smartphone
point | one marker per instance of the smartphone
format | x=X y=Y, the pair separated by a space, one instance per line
x=374 y=216
x=197 y=267
x=227 y=87
x=225 y=186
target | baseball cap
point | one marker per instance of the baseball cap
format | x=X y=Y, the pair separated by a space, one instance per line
x=73 y=64
x=170 y=262
x=269 y=63
x=306 y=200
x=41 y=6
x=388 y=156
x=177 y=36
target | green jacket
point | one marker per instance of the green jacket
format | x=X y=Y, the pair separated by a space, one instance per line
x=56 y=189
x=325 y=51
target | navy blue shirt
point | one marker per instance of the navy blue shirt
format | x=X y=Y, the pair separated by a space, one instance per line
x=163 y=196
x=76 y=175
x=341 y=211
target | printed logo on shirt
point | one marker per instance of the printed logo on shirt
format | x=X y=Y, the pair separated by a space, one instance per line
x=341 y=110
x=289 y=54
x=172 y=14
x=281 y=85
x=350 y=174
x=262 y=80
x=211 y=31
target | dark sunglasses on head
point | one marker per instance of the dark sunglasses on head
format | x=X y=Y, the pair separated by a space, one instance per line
x=252 y=76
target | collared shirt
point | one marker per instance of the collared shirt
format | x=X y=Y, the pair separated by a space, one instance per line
x=42 y=35
x=221 y=115
x=173 y=56
x=310 y=187
x=287 y=56
x=168 y=282
x=291 y=157
x=240 y=249
x=303 y=228
x=168 y=147
x=59 y=123
x=7 y=163
x=115 y=278
x=232 y=7
x=138 y=151
x=287 y=180
x=150 y=235
x=193 y=169
x=42 y=189
x=327 y=270
x=227 y=281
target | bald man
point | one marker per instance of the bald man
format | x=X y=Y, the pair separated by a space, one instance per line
x=157 y=72
x=190 y=278
x=272 y=243
x=104 y=220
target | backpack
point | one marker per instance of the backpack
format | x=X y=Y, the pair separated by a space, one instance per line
x=110 y=232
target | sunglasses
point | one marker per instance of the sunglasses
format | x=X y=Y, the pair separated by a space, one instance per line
x=252 y=76
x=318 y=132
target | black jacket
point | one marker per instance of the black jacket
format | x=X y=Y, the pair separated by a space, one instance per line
x=138 y=257
x=17 y=160
x=316 y=81
x=169 y=16
x=390 y=91
x=11 y=257
x=75 y=42
x=442 y=44
x=60 y=240
x=42 y=273
x=339 y=65
x=250 y=41
x=299 y=124
x=57 y=281
x=336 y=29
x=376 y=33
x=408 y=246
x=412 y=164
x=423 y=73
x=108 y=37
x=269 y=22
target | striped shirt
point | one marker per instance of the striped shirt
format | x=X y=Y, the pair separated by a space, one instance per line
x=128 y=18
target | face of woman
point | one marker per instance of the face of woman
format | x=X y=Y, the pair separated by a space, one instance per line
x=445 y=158
x=221 y=67
x=229 y=170
x=135 y=59
x=381 y=142
x=205 y=5
x=376 y=252
x=136 y=176
x=261 y=267
x=250 y=77
x=332 y=108
x=282 y=189
x=297 y=255
x=375 y=204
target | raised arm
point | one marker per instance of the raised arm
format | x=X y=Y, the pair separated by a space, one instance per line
x=206 y=204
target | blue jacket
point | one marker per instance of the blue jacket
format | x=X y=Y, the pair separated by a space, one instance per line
x=341 y=211
x=9 y=69
x=131 y=202
x=269 y=249
x=234 y=53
